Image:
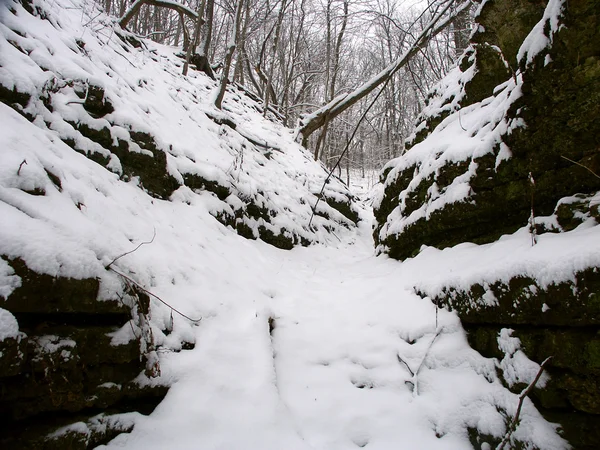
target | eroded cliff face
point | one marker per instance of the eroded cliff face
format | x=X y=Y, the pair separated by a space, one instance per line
x=71 y=374
x=514 y=126
x=510 y=140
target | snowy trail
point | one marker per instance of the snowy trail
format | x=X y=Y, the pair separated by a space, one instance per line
x=327 y=376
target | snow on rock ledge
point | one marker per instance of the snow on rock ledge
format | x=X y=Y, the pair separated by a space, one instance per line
x=512 y=108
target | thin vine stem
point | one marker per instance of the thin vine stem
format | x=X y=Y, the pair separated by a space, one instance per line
x=346 y=147
x=155 y=296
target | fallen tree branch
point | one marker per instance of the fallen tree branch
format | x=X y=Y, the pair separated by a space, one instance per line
x=581 y=165
x=131 y=280
x=231 y=124
x=513 y=425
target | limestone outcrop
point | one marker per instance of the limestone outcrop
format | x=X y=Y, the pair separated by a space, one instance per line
x=514 y=127
x=510 y=140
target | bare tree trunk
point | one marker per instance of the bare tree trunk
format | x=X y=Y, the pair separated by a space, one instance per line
x=275 y=47
x=238 y=73
x=177 y=33
x=333 y=66
x=231 y=45
x=362 y=157
x=347 y=161
x=291 y=70
x=461 y=32
x=205 y=47
x=192 y=48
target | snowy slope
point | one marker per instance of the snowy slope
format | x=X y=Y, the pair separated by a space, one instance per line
x=72 y=71
x=297 y=349
x=328 y=376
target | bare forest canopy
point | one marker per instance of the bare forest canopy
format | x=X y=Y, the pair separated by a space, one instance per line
x=314 y=63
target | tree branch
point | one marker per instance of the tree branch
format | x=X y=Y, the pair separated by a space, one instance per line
x=320 y=117
x=134 y=9
x=513 y=425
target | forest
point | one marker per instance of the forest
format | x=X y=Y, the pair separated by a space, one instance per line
x=298 y=56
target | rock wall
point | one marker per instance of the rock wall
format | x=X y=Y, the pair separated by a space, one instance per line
x=511 y=139
x=537 y=151
x=64 y=366
x=560 y=320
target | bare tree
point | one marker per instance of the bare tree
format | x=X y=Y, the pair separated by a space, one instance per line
x=231 y=45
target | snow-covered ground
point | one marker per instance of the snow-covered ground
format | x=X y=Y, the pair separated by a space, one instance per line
x=328 y=375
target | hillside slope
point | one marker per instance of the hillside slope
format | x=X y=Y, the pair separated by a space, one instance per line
x=105 y=146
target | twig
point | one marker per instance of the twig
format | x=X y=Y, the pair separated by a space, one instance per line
x=415 y=373
x=513 y=425
x=154 y=295
x=131 y=251
x=92 y=19
x=20 y=166
x=581 y=165
x=412 y=374
x=532 y=228
x=125 y=58
x=427 y=351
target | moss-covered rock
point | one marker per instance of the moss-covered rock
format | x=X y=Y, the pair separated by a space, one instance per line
x=552 y=137
x=148 y=165
x=13 y=354
x=523 y=301
x=562 y=321
x=96 y=104
x=66 y=367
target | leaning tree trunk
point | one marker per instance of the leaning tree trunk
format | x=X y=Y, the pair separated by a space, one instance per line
x=341 y=103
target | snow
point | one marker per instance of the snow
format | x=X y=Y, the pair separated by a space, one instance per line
x=9 y=328
x=516 y=366
x=540 y=37
x=8 y=280
x=328 y=375
x=149 y=95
